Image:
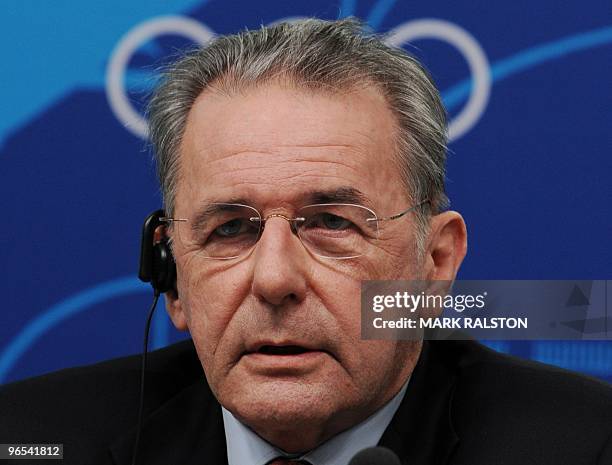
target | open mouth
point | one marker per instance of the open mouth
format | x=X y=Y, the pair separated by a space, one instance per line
x=282 y=350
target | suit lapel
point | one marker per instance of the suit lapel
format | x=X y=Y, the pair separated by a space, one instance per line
x=421 y=432
x=186 y=430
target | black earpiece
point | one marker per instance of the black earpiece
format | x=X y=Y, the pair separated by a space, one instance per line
x=157 y=264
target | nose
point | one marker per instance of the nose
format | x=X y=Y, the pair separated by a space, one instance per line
x=280 y=265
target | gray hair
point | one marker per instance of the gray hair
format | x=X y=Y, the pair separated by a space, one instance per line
x=318 y=55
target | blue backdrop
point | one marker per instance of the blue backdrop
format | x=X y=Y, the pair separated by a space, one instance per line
x=528 y=86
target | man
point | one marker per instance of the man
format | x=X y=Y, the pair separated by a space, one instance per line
x=297 y=161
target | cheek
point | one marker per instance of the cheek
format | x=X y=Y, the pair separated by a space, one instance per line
x=396 y=255
x=340 y=294
x=369 y=362
x=385 y=363
x=385 y=261
x=210 y=299
x=337 y=285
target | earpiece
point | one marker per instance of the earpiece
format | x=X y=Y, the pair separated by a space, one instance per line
x=157 y=264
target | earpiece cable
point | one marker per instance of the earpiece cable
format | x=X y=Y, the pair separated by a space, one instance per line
x=142 y=376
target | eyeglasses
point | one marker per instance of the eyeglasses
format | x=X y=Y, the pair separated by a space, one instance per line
x=226 y=231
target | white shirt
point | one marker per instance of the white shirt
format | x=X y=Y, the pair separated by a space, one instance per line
x=244 y=447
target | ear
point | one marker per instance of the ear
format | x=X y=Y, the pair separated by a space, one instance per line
x=173 y=303
x=175 y=311
x=446 y=246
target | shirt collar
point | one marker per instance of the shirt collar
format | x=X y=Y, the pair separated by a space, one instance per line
x=244 y=447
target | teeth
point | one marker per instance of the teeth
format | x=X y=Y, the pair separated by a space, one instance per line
x=282 y=350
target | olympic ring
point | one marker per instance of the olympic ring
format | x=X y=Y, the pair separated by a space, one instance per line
x=473 y=53
x=129 y=43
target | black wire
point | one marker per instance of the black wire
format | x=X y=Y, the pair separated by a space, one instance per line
x=142 y=376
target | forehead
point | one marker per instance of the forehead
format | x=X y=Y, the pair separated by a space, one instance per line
x=273 y=142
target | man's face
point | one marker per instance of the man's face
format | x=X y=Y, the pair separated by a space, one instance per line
x=274 y=146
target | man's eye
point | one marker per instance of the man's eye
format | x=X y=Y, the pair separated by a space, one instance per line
x=331 y=221
x=230 y=228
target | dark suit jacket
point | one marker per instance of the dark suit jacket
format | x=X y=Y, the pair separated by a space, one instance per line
x=465 y=405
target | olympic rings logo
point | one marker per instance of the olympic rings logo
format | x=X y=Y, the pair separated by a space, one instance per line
x=199 y=33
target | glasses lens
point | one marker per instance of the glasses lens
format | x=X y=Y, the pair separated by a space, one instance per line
x=337 y=230
x=223 y=231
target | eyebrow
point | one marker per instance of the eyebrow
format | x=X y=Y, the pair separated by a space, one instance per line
x=342 y=194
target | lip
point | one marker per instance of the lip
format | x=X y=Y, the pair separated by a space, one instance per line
x=260 y=357
x=256 y=347
x=271 y=365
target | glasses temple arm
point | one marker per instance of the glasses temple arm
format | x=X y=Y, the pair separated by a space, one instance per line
x=400 y=214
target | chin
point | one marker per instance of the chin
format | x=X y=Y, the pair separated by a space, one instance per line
x=281 y=404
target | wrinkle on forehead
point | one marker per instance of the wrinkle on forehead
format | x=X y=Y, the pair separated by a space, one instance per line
x=275 y=177
x=279 y=139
